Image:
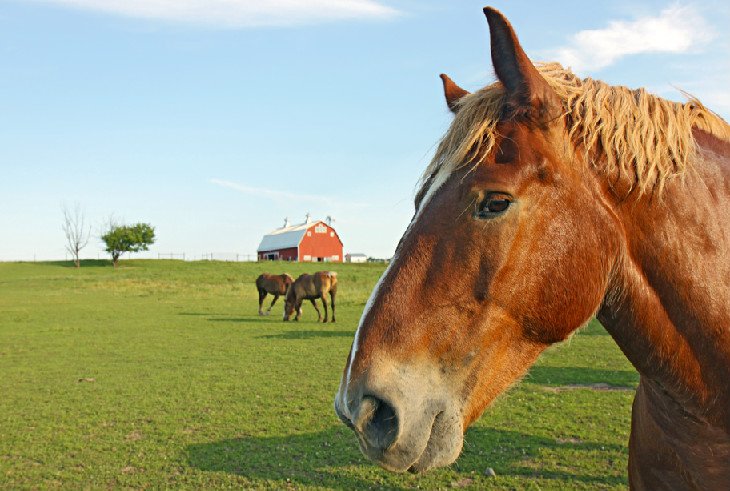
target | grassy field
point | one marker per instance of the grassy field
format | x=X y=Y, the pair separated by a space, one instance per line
x=160 y=374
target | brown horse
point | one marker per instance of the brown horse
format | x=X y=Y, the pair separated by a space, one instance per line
x=311 y=287
x=563 y=199
x=275 y=284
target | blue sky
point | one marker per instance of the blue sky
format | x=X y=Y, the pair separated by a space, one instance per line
x=213 y=120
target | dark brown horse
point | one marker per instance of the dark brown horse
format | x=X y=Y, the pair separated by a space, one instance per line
x=311 y=287
x=563 y=199
x=274 y=284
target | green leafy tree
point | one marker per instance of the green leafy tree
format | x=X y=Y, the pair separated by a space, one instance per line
x=127 y=238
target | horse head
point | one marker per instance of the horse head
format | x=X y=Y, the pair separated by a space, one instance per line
x=510 y=250
x=290 y=302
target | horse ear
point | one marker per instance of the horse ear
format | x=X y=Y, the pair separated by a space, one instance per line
x=452 y=92
x=522 y=82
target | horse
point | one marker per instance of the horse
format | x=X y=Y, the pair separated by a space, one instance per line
x=275 y=284
x=311 y=287
x=551 y=200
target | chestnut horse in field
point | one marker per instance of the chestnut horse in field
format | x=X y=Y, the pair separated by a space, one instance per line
x=311 y=287
x=563 y=199
x=275 y=284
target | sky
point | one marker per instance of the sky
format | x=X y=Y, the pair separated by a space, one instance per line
x=213 y=120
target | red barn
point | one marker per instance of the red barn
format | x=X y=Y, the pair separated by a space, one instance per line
x=311 y=241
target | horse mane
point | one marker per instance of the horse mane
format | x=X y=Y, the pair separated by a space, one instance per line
x=631 y=131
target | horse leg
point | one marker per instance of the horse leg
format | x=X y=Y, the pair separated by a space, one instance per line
x=298 y=308
x=262 y=295
x=324 y=304
x=319 y=314
x=332 y=303
x=276 y=297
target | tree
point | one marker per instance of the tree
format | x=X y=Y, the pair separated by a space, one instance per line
x=77 y=233
x=127 y=238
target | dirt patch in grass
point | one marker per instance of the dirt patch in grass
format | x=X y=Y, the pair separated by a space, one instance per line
x=599 y=387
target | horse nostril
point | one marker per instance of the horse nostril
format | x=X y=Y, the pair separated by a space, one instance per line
x=377 y=422
x=342 y=416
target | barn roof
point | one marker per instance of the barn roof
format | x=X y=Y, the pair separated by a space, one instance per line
x=285 y=237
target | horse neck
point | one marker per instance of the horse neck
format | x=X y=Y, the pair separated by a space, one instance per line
x=668 y=306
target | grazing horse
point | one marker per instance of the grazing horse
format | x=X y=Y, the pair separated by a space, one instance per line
x=551 y=200
x=275 y=284
x=311 y=287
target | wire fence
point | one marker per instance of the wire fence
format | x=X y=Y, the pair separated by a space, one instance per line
x=171 y=255
x=235 y=257
x=228 y=257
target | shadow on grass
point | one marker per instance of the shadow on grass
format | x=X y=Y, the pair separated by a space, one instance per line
x=594 y=328
x=308 y=335
x=199 y=314
x=311 y=459
x=557 y=376
x=85 y=263
x=331 y=459
x=245 y=320
x=513 y=453
x=269 y=319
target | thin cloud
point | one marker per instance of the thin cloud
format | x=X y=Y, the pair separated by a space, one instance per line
x=287 y=198
x=239 y=13
x=720 y=101
x=273 y=194
x=677 y=29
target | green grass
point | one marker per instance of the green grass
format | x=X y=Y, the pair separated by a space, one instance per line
x=160 y=374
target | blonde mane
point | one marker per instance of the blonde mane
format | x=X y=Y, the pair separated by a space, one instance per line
x=639 y=134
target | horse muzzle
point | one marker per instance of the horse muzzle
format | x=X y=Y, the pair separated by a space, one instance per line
x=401 y=430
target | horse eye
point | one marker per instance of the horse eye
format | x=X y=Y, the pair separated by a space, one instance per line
x=493 y=205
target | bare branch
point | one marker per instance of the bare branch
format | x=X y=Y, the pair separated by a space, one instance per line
x=76 y=231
